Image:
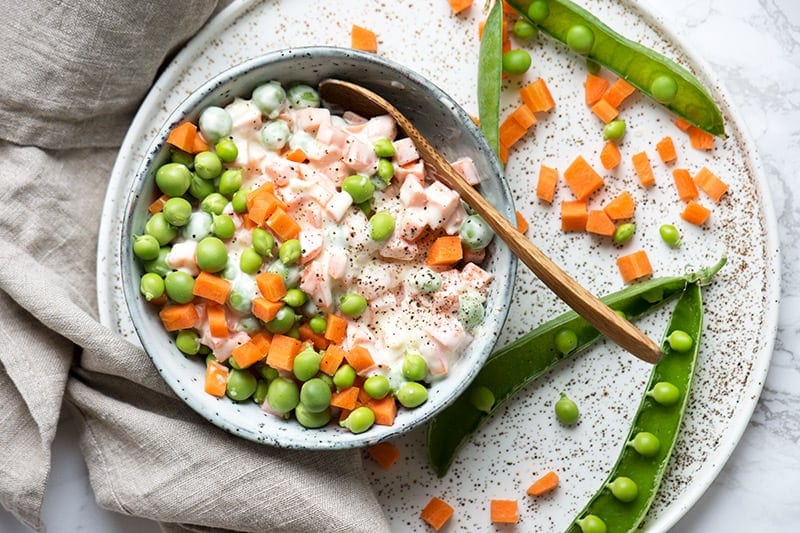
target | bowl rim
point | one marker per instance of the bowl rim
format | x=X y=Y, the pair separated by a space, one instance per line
x=136 y=307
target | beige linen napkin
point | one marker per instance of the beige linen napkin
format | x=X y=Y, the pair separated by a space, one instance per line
x=74 y=73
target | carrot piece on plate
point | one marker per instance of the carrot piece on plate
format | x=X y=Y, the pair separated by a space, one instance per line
x=385 y=410
x=605 y=111
x=385 y=454
x=610 y=156
x=621 y=207
x=251 y=352
x=335 y=328
x=537 y=96
x=217 y=321
x=181 y=316
x=573 y=215
x=457 y=6
x=597 y=222
x=582 y=179
x=699 y=139
x=594 y=88
x=283 y=225
x=617 y=92
x=546 y=185
x=317 y=339
x=436 y=513
x=710 y=184
x=682 y=124
x=264 y=309
x=522 y=224
x=666 y=149
x=504 y=511
x=359 y=358
x=158 y=204
x=524 y=116
x=634 y=266
x=346 y=398
x=182 y=137
x=271 y=286
x=211 y=287
x=363 y=39
x=282 y=351
x=216 y=379
x=543 y=485
x=332 y=359
x=684 y=184
x=643 y=169
x=444 y=251
x=696 y=214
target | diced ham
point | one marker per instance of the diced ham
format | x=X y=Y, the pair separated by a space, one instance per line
x=182 y=257
x=337 y=263
x=353 y=118
x=466 y=167
x=453 y=223
x=222 y=347
x=316 y=282
x=311 y=118
x=412 y=193
x=405 y=151
x=449 y=333
x=380 y=127
x=411 y=223
x=311 y=242
x=475 y=276
x=338 y=205
x=279 y=169
x=336 y=172
x=360 y=156
x=375 y=280
x=412 y=170
x=399 y=248
x=442 y=201
x=244 y=114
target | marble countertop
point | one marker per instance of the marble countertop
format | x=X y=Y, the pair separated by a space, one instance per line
x=752 y=46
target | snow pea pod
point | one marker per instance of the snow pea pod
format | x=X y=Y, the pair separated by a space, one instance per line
x=490 y=72
x=655 y=75
x=622 y=505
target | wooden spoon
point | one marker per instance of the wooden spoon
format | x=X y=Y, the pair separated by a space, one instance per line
x=366 y=103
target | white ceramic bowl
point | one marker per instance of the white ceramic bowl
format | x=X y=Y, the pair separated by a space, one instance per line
x=438 y=117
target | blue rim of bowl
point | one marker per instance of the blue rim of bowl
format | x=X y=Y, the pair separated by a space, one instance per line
x=136 y=306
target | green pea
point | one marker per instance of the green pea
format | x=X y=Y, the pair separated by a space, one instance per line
x=158 y=227
x=624 y=489
x=239 y=201
x=200 y=188
x=665 y=393
x=670 y=235
x=269 y=98
x=415 y=368
x=179 y=156
x=187 y=341
x=302 y=96
x=470 y=310
x=230 y=181
x=580 y=39
x=227 y=150
x=383 y=148
x=538 y=11
x=411 y=394
x=290 y=251
x=516 y=61
x=566 y=341
x=353 y=305
x=680 y=341
x=624 y=232
x=359 y=187
x=315 y=395
x=385 y=170
x=592 y=524
x=179 y=286
x=381 y=226
x=283 y=395
x=223 y=226
x=275 y=134
x=592 y=66
x=260 y=394
x=475 y=233
x=212 y=255
x=250 y=261
x=566 y=410
x=664 y=89
x=268 y=373
x=306 y=364
x=328 y=380
x=377 y=386
x=151 y=286
x=646 y=444
x=359 y=420
x=207 y=165
x=214 y=203
x=614 y=131
x=177 y=211
x=173 y=179
x=426 y=280
x=309 y=419
x=215 y=123
x=524 y=30
x=344 y=377
x=263 y=242
x=146 y=247
x=159 y=264
x=482 y=398
x=318 y=324
x=295 y=298
x=284 y=320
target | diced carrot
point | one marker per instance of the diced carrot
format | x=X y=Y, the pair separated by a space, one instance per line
x=282 y=351
x=436 y=513
x=296 y=154
x=271 y=286
x=182 y=137
x=546 y=185
x=385 y=410
x=252 y=351
x=684 y=184
x=363 y=39
x=264 y=309
x=621 y=207
x=537 y=97
x=217 y=321
x=336 y=328
x=332 y=359
x=158 y=204
x=510 y=131
x=363 y=397
x=605 y=111
x=457 y=6
x=643 y=169
x=283 y=225
x=211 y=287
x=345 y=398
x=582 y=179
x=317 y=339
x=594 y=88
x=504 y=511
x=524 y=116
x=181 y=316
x=385 y=454
x=610 y=156
x=695 y=213
x=573 y=215
x=262 y=339
x=522 y=224
x=710 y=184
x=682 y=124
x=666 y=149
x=200 y=144
x=598 y=222
x=359 y=358
x=543 y=485
x=216 y=379
x=261 y=209
x=617 y=92
x=445 y=251
x=699 y=139
x=634 y=266
x=266 y=190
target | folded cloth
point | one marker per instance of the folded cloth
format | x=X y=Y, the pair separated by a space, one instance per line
x=70 y=88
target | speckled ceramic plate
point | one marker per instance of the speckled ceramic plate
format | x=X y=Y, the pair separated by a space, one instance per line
x=523 y=440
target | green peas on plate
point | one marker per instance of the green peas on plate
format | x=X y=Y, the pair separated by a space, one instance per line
x=566 y=410
x=290 y=251
x=212 y=255
x=283 y=395
x=241 y=385
x=223 y=226
x=344 y=377
x=415 y=368
x=263 y=242
x=214 y=203
x=411 y=394
x=353 y=305
x=187 y=341
x=614 y=131
x=306 y=364
x=381 y=226
x=359 y=420
x=670 y=235
x=173 y=179
x=383 y=148
x=151 y=286
x=177 y=211
x=624 y=233
x=310 y=419
x=516 y=61
x=207 y=165
x=146 y=247
x=359 y=187
x=230 y=181
x=283 y=322
x=158 y=227
x=227 y=150
x=315 y=395
x=377 y=386
x=179 y=286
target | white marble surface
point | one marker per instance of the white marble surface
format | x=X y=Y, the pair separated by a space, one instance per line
x=753 y=46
